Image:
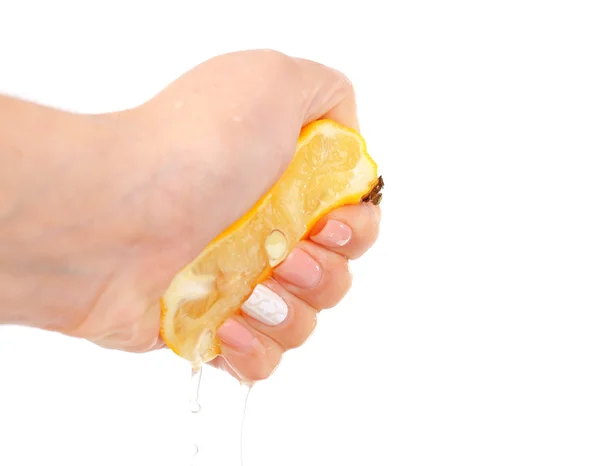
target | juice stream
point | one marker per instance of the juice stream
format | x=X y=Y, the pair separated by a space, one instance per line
x=200 y=431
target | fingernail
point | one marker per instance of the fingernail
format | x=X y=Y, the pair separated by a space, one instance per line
x=333 y=234
x=266 y=306
x=300 y=269
x=239 y=337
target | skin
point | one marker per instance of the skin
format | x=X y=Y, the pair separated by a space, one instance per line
x=99 y=212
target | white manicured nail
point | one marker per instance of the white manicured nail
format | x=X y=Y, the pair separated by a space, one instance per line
x=266 y=306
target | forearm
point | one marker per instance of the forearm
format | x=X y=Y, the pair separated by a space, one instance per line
x=48 y=175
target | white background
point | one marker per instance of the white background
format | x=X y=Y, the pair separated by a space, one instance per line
x=471 y=336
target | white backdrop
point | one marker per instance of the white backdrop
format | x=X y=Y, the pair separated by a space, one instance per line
x=471 y=336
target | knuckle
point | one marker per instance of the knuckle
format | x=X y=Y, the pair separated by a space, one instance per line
x=347 y=283
x=303 y=334
x=260 y=374
x=372 y=230
x=367 y=232
x=346 y=83
x=343 y=84
x=370 y=218
x=265 y=370
x=339 y=284
x=275 y=63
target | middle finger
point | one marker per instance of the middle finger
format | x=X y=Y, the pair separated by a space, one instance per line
x=316 y=275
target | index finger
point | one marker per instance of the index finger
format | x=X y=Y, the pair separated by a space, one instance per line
x=329 y=94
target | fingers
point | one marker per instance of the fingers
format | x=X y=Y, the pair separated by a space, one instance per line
x=349 y=230
x=316 y=275
x=277 y=313
x=317 y=270
x=273 y=321
x=281 y=313
x=249 y=354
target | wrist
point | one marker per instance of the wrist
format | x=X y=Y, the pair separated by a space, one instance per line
x=55 y=169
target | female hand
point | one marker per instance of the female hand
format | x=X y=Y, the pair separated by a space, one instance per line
x=173 y=173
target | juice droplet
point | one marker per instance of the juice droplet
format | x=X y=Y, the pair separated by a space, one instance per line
x=195 y=408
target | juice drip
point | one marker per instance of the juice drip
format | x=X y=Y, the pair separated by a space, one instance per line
x=246 y=387
x=202 y=436
x=195 y=409
x=195 y=391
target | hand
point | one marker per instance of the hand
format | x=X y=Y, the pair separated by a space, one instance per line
x=281 y=313
x=172 y=174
